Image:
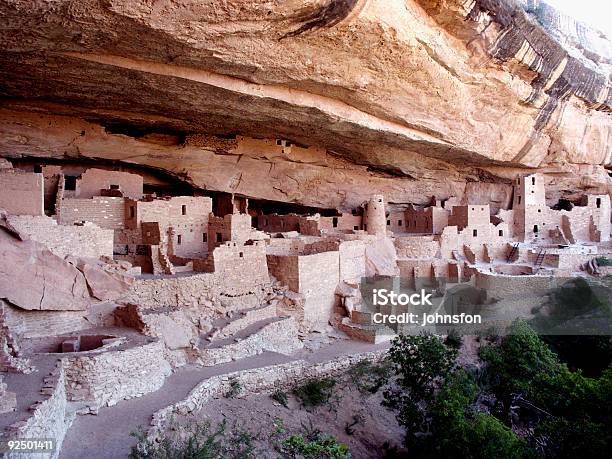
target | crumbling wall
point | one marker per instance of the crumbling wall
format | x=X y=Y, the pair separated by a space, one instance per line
x=50 y=418
x=257 y=380
x=280 y=336
x=417 y=247
x=88 y=240
x=22 y=192
x=106 y=378
x=89 y=184
x=285 y=269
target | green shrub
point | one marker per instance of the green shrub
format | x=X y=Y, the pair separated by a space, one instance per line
x=196 y=440
x=315 y=392
x=603 y=261
x=454 y=339
x=280 y=397
x=369 y=376
x=314 y=446
x=234 y=390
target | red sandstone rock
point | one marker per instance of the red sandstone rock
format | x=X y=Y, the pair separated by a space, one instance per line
x=103 y=285
x=33 y=278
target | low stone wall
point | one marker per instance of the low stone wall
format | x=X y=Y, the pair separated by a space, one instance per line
x=50 y=418
x=280 y=336
x=246 y=318
x=88 y=240
x=257 y=380
x=107 y=378
x=172 y=291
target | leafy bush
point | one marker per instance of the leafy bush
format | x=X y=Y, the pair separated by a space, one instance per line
x=234 y=390
x=514 y=363
x=454 y=339
x=280 y=397
x=603 y=261
x=369 y=376
x=315 y=392
x=196 y=440
x=459 y=432
x=573 y=412
x=314 y=446
x=421 y=364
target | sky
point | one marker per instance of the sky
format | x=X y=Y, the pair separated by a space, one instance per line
x=597 y=13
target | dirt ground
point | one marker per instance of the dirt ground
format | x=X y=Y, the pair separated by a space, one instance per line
x=354 y=417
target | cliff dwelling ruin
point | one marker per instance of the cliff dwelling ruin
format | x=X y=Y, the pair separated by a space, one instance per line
x=198 y=193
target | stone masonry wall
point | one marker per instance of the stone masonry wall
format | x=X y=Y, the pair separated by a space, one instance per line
x=319 y=275
x=285 y=269
x=50 y=418
x=109 y=377
x=88 y=240
x=106 y=212
x=22 y=192
x=93 y=180
x=352 y=261
x=280 y=336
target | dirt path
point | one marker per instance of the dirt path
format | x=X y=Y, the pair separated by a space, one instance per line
x=107 y=434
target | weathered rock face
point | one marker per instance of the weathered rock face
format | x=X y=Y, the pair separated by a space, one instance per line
x=33 y=278
x=406 y=97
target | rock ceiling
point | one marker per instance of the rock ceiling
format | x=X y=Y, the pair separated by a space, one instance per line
x=409 y=98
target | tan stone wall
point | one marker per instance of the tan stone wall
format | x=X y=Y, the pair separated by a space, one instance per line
x=278 y=223
x=176 y=292
x=505 y=286
x=106 y=212
x=106 y=378
x=352 y=261
x=344 y=222
x=93 y=180
x=22 y=193
x=84 y=241
x=240 y=268
x=285 y=269
x=50 y=418
x=417 y=247
x=280 y=336
x=319 y=275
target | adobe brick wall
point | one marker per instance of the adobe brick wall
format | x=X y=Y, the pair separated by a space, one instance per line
x=84 y=241
x=22 y=192
x=106 y=212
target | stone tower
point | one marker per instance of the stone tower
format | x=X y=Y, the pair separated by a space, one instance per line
x=376 y=218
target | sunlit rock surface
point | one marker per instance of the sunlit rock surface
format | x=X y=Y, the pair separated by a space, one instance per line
x=406 y=98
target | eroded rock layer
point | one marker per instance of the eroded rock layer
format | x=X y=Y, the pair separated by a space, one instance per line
x=406 y=98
